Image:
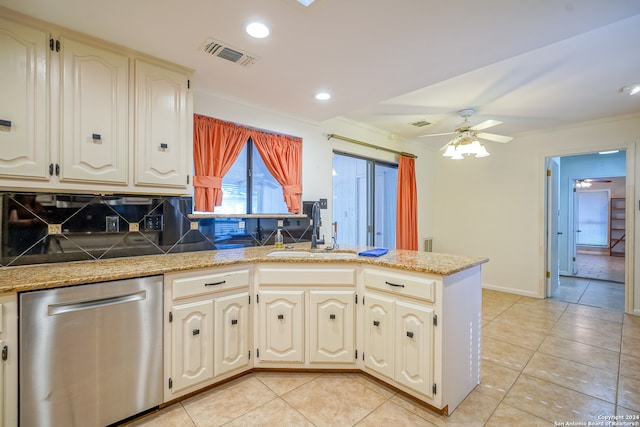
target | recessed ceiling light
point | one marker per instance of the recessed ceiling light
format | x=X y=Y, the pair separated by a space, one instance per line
x=631 y=89
x=305 y=2
x=257 y=30
x=323 y=96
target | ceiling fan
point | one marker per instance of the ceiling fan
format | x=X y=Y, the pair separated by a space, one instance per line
x=466 y=137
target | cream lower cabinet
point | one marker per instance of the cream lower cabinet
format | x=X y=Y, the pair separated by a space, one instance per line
x=207 y=332
x=8 y=360
x=305 y=316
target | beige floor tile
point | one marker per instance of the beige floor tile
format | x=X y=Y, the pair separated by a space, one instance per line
x=630 y=365
x=475 y=410
x=629 y=393
x=495 y=379
x=594 y=337
x=576 y=376
x=581 y=353
x=372 y=384
x=390 y=414
x=633 y=415
x=274 y=413
x=606 y=326
x=554 y=403
x=506 y=415
x=631 y=327
x=221 y=405
x=422 y=411
x=631 y=345
x=598 y=313
x=503 y=330
x=490 y=312
x=283 y=382
x=334 y=400
x=172 y=416
x=505 y=354
x=521 y=319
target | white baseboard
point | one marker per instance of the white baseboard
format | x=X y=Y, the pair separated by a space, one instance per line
x=511 y=290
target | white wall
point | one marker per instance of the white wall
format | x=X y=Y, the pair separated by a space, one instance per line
x=494 y=206
x=317 y=151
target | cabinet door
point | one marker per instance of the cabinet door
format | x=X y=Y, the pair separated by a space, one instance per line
x=163 y=130
x=192 y=344
x=94 y=123
x=23 y=102
x=231 y=350
x=331 y=324
x=414 y=347
x=378 y=334
x=281 y=326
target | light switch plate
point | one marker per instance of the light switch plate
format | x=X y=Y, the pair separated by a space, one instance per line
x=323 y=203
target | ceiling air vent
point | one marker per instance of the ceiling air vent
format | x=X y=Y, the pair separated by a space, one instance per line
x=420 y=123
x=224 y=51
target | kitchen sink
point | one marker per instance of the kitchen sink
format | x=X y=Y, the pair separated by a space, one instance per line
x=318 y=255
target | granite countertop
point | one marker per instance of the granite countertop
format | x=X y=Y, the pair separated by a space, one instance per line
x=43 y=276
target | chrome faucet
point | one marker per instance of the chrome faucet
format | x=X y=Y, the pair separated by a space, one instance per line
x=315 y=218
x=334 y=236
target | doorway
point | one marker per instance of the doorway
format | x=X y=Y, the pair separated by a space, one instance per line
x=580 y=264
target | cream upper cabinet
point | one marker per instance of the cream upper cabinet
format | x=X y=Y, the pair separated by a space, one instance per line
x=331 y=326
x=24 y=136
x=163 y=129
x=94 y=133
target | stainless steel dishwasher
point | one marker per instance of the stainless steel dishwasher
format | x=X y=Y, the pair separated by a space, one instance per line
x=90 y=355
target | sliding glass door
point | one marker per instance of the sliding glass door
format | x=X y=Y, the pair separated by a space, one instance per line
x=364 y=200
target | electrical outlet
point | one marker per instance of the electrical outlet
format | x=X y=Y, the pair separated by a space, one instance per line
x=323 y=203
x=153 y=222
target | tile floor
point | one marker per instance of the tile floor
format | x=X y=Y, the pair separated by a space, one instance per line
x=602 y=267
x=543 y=362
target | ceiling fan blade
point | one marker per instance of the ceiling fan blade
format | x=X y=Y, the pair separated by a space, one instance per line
x=486 y=124
x=493 y=137
x=435 y=134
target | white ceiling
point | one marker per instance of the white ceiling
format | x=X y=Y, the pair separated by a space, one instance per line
x=531 y=64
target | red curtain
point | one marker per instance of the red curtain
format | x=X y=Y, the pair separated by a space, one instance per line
x=407 y=206
x=216 y=146
x=282 y=155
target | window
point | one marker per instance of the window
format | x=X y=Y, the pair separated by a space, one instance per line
x=593 y=216
x=249 y=187
x=364 y=200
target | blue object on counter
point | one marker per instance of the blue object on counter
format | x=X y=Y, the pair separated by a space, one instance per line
x=374 y=252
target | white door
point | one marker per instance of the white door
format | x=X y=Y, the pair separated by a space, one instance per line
x=192 y=344
x=378 y=334
x=94 y=137
x=414 y=347
x=23 y=102
x=162 y=134
x=331 y=322
x=553 y=234
x=231 y=328
x=281 y=326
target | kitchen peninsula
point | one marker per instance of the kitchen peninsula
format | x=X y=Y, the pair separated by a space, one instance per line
x=410 y=319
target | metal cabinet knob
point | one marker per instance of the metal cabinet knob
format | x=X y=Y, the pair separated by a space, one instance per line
x=332 y=316
x=376 y=323
x=410 y=334
x=280 y=316
x=234 y=321
x=196 y=332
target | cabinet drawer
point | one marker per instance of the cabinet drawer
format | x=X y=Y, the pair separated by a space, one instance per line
x=207 y=282
x=337 y=276
x=412 y=286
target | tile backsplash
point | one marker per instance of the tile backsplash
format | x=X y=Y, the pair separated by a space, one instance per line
x=40 y=228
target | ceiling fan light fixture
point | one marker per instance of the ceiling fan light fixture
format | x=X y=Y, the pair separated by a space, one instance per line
x=450 y=151
x=483 y=152
x=457 y=156
x=631 y=90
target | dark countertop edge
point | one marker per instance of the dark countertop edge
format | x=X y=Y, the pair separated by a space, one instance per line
x=94 y=271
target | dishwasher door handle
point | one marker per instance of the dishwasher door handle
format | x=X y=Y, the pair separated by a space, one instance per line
x=55 y=309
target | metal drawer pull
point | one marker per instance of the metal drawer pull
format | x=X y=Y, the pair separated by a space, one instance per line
x=196 y=332
x=5 y=123
x=376 y=323
x=395 y=284
x=280 y=316
x=164 y=146
x=332 y=316
x=96 y=137
x=410 y=334
x=5 y=353
x=234 y=321
x=216 y=283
